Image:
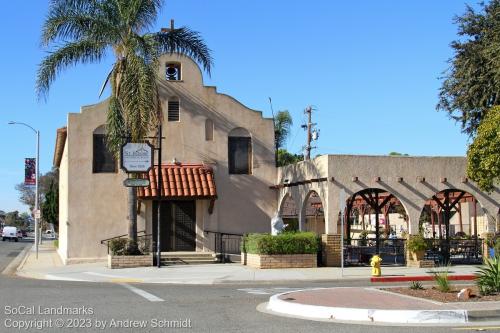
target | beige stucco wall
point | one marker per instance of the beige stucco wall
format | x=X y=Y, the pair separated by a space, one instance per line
x=63 y=205
x=96 y=204
x=340 y=170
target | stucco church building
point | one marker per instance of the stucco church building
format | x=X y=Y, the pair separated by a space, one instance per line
x=219 y=175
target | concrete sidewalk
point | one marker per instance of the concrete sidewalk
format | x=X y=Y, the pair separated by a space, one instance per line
x=48 y=266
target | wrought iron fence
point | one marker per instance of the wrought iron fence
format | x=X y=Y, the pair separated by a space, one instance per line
x=225 y=243
x=358 y=251
x=455 y=251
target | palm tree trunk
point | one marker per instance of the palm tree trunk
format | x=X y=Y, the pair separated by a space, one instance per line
x=132 y=219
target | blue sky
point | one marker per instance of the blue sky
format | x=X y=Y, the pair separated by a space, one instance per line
x=370 y=68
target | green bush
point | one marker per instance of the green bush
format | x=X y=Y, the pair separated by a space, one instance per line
x=416 y=243
x=285 y=243
x=416 y=285
x=118 y=246
x=488 y=276
x=56 y=243
x=441 y=278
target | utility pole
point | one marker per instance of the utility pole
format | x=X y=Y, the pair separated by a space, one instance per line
x=312 y=133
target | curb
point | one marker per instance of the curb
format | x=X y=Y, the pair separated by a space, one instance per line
x=464 y=277
x=17 y=262
x=308 y=311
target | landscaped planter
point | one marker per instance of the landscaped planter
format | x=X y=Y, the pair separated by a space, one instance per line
x=266 y=261
x=130 y=261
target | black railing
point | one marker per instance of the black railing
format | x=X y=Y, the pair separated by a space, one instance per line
x=225 y=243
x=455 y=251
x=145 y=242
x=358 y=251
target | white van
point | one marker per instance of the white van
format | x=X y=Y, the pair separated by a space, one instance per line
x=9 y=233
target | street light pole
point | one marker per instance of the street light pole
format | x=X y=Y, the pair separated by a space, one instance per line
x=37 y=175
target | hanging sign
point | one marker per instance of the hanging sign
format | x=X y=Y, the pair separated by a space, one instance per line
x=136 y=182
x=30 y=171
x=136 y=157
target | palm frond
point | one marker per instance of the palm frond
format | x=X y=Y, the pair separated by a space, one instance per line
x=85 y=51
x=142 y=14
x=138 y=94
x=115 y=126
x=185 y=41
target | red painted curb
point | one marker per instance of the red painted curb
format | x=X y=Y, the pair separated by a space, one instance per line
x=468 y=277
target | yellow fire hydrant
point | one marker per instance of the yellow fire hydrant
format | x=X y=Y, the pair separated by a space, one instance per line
x=375 y=262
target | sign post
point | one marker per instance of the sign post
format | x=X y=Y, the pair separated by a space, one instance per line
x=342 y=208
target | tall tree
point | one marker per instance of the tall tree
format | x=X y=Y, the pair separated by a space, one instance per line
x=282 y=125
x=83 y=31
x=483 y=155
x=50 y=206
x=27 y=192
x=471 y=85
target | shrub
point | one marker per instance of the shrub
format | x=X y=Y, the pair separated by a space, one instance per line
x=416 y=243
x=441 y=278
x=56 y=243
x=118 y=246
x=488 y=276
x=416 y=285
x=285 y=243
x=363 y=236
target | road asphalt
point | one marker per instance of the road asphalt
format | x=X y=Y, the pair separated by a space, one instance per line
x=117 y=306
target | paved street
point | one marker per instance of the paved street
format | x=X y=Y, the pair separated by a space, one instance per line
x=220 y=308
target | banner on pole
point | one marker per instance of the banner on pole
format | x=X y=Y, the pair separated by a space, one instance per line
x=30 y=171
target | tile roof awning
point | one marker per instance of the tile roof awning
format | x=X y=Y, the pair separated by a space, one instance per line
x=181 y=181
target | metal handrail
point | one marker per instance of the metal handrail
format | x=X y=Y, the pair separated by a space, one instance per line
x=121 y=236
x=220 y=244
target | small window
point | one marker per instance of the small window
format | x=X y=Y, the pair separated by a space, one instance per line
x=240 y=155
x=173 y=72
x=173 y=109
x=209 y=130
x=103 y=160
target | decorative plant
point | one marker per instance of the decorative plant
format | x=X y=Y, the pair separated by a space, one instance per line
x=363 y=236
x=416 y=243
x=442 y=281
x=117 y=246
x=416 y=285
x=488 y=276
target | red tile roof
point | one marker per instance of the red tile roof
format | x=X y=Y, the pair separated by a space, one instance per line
x=181 y=181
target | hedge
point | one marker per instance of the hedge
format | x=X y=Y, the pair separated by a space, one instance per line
x=285 y=243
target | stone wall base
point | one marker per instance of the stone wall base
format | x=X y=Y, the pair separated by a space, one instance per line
x=420 y=263
x=269 y=261
x=331 y=250
x=130 y=261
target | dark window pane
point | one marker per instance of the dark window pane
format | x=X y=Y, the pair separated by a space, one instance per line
x=240 y=155
x=103 y=159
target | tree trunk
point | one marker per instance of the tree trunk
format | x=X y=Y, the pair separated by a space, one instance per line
x=132 y=219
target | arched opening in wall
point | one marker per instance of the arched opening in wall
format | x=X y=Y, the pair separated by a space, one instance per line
x=375 y=222
x=239 y=152
x=453 y=221
x=289 y=213
x=314 y=214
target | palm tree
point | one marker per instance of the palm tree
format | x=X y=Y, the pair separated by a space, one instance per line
x=85 y=31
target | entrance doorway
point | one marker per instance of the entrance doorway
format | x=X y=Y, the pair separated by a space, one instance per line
x=178 y=225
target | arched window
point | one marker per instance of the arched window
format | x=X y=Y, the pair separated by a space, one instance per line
x=173 y=109
x=173 y=71
x=103 y=161
x=240 y=152
x=209 y=130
